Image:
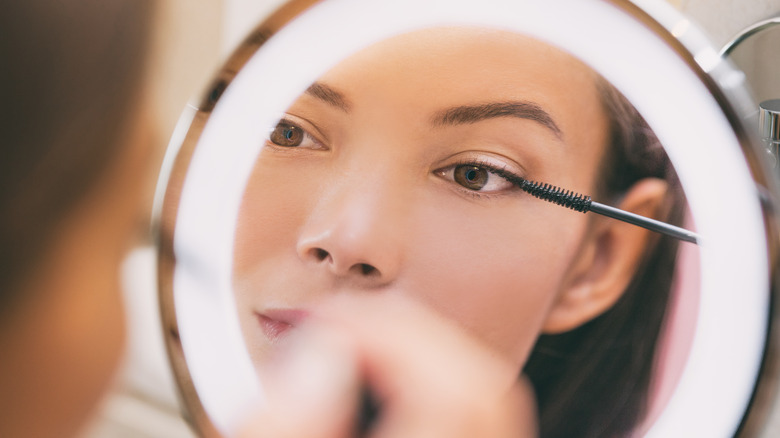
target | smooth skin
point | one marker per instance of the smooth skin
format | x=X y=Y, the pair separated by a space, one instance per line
x=428 y=377
x=381 y=180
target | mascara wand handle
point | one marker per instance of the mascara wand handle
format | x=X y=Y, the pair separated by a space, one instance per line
x=644 y=222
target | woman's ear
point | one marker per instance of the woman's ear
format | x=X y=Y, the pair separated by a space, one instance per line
x=607 y=260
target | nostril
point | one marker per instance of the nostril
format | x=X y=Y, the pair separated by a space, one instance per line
x=320 y=254
x=367 y=269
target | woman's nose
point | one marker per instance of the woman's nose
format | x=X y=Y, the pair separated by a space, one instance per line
x=355 y=235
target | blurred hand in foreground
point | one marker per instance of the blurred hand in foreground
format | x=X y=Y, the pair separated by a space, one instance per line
x=427 y=376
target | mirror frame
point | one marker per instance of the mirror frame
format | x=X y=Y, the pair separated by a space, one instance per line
x=715 y=75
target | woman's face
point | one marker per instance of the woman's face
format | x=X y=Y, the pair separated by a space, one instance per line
x=388 y=176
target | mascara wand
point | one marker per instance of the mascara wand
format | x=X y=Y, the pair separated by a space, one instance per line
x=584 y=204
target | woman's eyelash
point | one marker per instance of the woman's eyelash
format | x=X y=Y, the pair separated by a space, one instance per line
x=288 y=133
x=502 y=172
x=480 y=177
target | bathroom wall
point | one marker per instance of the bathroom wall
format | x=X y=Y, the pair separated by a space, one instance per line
x=188 y=46
x=758 y=56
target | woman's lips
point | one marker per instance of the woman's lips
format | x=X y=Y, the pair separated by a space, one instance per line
x=275 y=323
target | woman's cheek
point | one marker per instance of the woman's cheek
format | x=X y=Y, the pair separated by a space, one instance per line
x=277 y=200
x=496 y=272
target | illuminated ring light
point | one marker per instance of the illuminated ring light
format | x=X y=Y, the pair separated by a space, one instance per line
x=201 y=187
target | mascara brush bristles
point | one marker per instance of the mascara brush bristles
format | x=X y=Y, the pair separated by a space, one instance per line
x=583 y=204
x=556 y=195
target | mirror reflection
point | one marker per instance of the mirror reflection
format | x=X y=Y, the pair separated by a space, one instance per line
x=394 y=173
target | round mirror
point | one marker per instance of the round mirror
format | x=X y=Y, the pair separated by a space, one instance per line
x=400 y=148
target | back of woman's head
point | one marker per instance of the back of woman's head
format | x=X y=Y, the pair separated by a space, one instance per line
x=70 y=73
x=594 y=380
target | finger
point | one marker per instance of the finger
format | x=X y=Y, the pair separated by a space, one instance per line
x=401 y=341
x=311 y=389
x=432 y=378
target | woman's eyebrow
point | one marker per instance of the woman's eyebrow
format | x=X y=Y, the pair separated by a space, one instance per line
x=329 y=95
x=467 y=114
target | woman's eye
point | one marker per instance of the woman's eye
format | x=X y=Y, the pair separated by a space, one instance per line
x=471 y=177
x=289 y=135
x=478 y=178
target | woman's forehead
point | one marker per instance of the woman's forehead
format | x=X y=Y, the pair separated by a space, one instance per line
x=450 y=54
x=428 y=71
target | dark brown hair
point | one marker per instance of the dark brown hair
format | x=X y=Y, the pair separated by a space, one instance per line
x=593 y=381
x=70 y=75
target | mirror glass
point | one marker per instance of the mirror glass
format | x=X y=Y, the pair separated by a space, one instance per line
x=386 y=157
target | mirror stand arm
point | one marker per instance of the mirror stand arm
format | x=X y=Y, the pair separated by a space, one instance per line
x=747 y=33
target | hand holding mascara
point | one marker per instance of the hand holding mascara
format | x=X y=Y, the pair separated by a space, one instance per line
x=353 y=370
x=584 y=204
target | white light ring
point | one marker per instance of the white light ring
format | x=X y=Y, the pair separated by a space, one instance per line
x=726 y=353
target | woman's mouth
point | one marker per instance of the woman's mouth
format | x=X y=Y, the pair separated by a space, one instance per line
x=276 y=323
